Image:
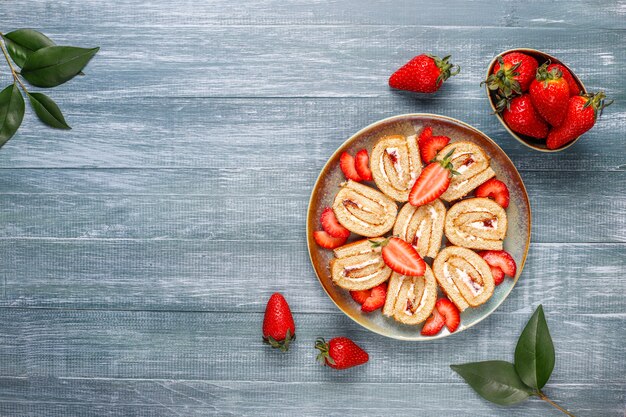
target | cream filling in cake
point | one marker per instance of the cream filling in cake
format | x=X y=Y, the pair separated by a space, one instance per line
x=394 y=154
x=483 y=226
x=364 y=278
x=361 y=265
x=475 y=288
x=410 y=295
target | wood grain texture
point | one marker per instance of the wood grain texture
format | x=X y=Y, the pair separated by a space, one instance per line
x=234 y=276
x=270 y=134
x=234 y=204
x=227 y=346
x=191 y=14
x=137 y=397
x=318 y=61
x=137 y=250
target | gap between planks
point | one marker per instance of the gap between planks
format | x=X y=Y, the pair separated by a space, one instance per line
x=214 y=240
x=338 y=313
x=218 y=381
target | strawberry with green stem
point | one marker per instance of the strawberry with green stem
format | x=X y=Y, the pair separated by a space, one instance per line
x=511 y=76
x=574 y=87
x=549 y=93
x=279 y=329
x=340 y=353
x=582 y=113
x=433 y=181
x=423 y=74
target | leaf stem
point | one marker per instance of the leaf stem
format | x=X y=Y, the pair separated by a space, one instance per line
x=13 y=72
x=553 y=404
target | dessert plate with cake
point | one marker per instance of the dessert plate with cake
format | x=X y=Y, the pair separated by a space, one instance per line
x=418 y=226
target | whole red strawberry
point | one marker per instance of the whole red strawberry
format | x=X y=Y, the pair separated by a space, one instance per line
x=549 y=93
x=517 y=66
x=582 y=113
x=511 y=76
x=340 y=353
x=423 y=74
x=574 y=88
x=279 y=330
x=522 y=118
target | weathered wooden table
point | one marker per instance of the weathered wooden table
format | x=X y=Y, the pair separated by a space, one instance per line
x=137 y=251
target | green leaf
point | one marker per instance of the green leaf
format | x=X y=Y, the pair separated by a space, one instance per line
x=11 y=112
x=23 y=42
x=495 y=381
x=47 y=110
x=534 y=353
x=54 y=65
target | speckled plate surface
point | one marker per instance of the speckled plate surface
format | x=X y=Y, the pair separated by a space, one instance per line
x=516 y=242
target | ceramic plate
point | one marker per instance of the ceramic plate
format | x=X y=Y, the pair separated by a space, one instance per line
x=327 y=185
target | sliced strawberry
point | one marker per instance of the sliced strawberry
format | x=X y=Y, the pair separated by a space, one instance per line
x=432 y=182
x=496 y=190
x=434 y=324
x=331 y=225
x=425 y=134
x=362 y=166
x=400 y=256
x=501 y=259
x=498 y=275
x=327 y=241
x=347 y=165
x=450 y=313
x=360 y=296
x=376 y=299
x=429 y=147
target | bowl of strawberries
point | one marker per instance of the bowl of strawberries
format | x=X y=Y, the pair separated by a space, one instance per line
x=539 y=100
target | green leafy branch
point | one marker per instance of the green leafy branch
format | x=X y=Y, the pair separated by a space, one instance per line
x=43 y=64
x=505 y=383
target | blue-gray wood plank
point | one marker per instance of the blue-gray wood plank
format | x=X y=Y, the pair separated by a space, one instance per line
x=138 y=249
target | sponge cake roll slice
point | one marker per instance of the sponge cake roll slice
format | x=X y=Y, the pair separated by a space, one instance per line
x=359 y=266
x=422 y=227
x=395 y=165
x=411 y=300
x=464 y=276
x=472 y=166
x=476 y=223
x=364 y=210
